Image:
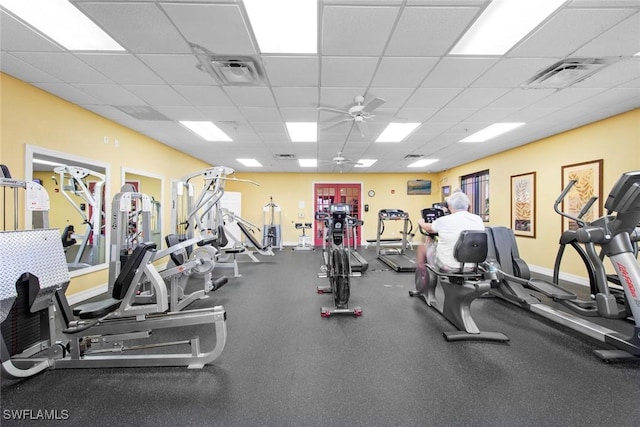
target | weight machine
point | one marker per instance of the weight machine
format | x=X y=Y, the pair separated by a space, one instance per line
x=73 y=180
x=272 y=229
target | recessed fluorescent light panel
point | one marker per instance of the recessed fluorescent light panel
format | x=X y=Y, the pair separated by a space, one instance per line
x=365 y=163
x=396 y=132
x=308 y=163
x=422 y=162
x=284 y=26
x=250 y=163
x=206 y=130
x=303 y=131
x=62 y=22
x=503 y=24
x=492 y=131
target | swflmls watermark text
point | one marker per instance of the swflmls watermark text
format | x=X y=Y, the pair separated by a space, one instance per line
x=35 y=414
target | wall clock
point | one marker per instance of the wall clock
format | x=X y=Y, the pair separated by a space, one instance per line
x=371 y=193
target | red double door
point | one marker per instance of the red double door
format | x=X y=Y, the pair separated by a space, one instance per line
x=325 y=194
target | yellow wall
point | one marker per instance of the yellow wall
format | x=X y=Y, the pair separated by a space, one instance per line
x=32 y=116
x=289 y=189
x=616 y=140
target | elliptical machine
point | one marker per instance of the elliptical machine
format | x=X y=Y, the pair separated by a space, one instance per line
x=337 y=260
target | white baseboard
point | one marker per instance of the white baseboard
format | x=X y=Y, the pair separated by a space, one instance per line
x=578 y=280
x=87 y=293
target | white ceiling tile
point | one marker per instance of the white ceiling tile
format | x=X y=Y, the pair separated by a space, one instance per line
x=614 y=75
x=490 y=115
x=429 y=31
x=121 y=68
x=110 y=94
x=64 y=66
x=621 y=40
x=512 y=72
x=178 y=113
x=299 y=114
x=178 y=69
x=222 y=114
x=340 y=97
x=292 y=71
x=15 y=36
x=632 y=84
x=451 y=115
x=356 y=31
x=126 y=21
x=261 y=114
x=68 y=93
x=402 y=72
x=347 y=72
x=218 y=27
x=394 y=97
x=552 y=39
x=201 y=96
x=530 y=114
x=457 y=72
x=432 y=98
x=477 y=97
x=296 y=96
x=521 y=97
x=13 y=66
x=157 y=94
x=250 y=96
x=417 y=114
x=567 y=97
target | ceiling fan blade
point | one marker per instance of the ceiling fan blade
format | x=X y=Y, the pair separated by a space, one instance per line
x=373 y=104
x=334 y=110
x=336 y=124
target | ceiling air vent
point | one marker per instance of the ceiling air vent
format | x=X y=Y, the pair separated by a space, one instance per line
x=285 y=156
x=229 y=70
x=141 y=112
x=564 y=73
x=414 y=156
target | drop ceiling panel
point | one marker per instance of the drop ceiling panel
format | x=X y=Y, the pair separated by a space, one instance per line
x=477 y=97
x=457 y=72
x=68 y=92
x=121 y=68
x=126 y=21
x=299 y=114
x=585 y=24
x=13 y=66
x=347 y=72
x=222 y=114
x=432 y=98
x=429 y=31
x=417 y=115
x=412 y=71
x=451 y=115
x=261 y=114
x=623 y=39
x=567 y=97
x=394 y=97
x=204 y=96
x=16 y=36
x=614 y=75
x=520 y=97
x=178 y=113
x=512 y=72
x=64 y=66
x=217 y=27
x=110 y=94
x=292 y=71
x=340 y=98
x=157 y=94
x=356 y=31
x=296 y=96
x=250 y=96
x=178 y=69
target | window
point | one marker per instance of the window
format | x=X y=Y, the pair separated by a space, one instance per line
x=476 y=186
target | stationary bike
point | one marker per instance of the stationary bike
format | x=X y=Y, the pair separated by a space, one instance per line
x=337 y=260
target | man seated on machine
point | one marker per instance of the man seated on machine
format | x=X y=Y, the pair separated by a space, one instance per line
x=448 y=228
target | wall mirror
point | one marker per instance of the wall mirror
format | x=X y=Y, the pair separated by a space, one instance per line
x=152 y=185
x=78 y=189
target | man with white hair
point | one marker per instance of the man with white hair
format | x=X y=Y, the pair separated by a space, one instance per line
x=448 y=229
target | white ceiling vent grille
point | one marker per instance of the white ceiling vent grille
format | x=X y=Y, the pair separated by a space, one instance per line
x=229 y=70
x=285 y=156
x=414 y=156
x=564 y=73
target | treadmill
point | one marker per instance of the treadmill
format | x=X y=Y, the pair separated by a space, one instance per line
x=396 y=258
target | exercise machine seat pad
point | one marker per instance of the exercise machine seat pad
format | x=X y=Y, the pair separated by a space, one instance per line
x=124 y=279
x=177 y=257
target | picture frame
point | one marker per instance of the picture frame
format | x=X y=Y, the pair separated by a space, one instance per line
x=588 y=177
x=418 y=186
x=523 y=204
x=446 y=192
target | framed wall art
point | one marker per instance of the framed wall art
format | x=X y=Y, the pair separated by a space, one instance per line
x=588 y=178
x=418 y=186
x=523 y=204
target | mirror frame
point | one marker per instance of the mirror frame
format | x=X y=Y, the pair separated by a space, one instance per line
x=32 y=151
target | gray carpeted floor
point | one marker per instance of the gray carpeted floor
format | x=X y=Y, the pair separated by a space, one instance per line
x=284 y=365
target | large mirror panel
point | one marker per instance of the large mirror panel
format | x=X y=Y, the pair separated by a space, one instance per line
x=78 y=189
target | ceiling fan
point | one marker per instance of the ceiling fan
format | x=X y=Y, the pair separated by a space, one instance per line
x=360 y=113
x=340 y=160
